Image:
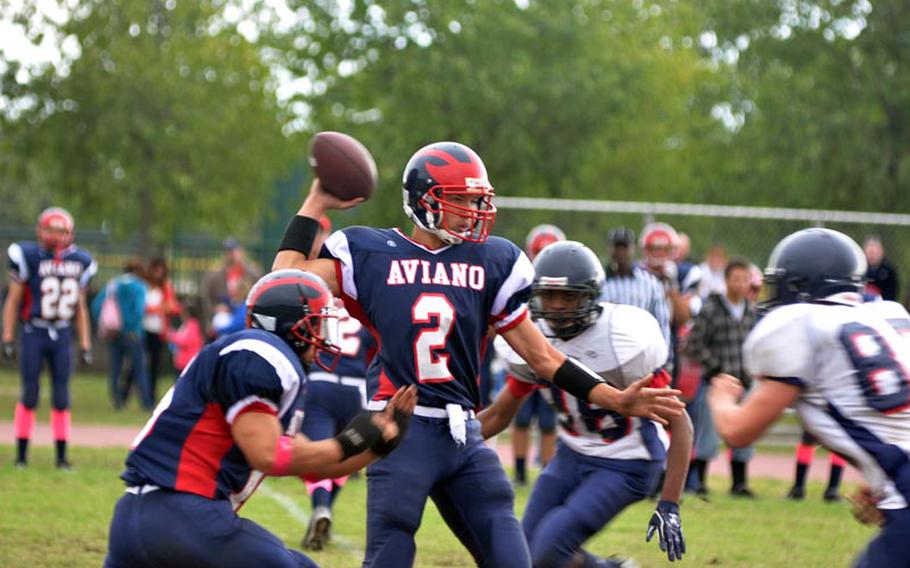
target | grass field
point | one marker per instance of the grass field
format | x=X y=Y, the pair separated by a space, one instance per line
x=50 y=518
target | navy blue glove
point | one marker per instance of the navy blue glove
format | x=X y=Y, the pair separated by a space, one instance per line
x=666 y=523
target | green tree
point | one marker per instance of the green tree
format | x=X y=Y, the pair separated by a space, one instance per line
x=165 y=120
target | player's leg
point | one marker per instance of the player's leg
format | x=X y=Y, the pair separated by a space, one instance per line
x=805 y=452
x=180 y=530
x=61 y=367
x=30 y=360
x=609 y=486
x=832 y=492
x=521 y=437
x=889 y=548
x=555 y=484
x=123 y=548
x=477 y=502
x=394 y=514
x=739 y=467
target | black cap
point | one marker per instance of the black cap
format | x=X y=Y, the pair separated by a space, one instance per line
x=621 y=236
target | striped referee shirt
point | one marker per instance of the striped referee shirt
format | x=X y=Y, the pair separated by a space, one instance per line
x=641 y=289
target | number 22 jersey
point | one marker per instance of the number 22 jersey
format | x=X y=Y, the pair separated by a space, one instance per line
x=52 y=281
x=852 y=363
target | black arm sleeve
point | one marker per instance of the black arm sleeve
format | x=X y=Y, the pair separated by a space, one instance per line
x=300 y=235
x=576 y=379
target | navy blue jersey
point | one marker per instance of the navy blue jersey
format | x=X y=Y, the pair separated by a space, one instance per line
x=430 y=309
x=187 y=443
x=358 y=346
x=53 y=282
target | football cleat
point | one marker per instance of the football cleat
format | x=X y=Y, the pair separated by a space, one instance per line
x=319 y=530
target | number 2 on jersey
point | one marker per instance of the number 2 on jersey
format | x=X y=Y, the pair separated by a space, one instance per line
x=432 y=366
x=58 y=298
x=882 y=378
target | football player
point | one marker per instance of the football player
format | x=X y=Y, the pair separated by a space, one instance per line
x=534 y=405
x=336 y=394
x=232 y=418
x=429 y=296
x=844 y=364
x=606 y=461
x=47 y=294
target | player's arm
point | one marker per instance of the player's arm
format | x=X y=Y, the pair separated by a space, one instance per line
x=497 y=417
x=10 y=307
x=741 y=425
x=83 y=323
x=677 y=457
x=259 y=437
x=576 y=379
x=301 y=234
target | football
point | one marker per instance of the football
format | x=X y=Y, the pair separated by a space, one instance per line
x=344 y=166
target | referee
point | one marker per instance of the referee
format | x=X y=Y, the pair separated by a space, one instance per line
x=628 y=283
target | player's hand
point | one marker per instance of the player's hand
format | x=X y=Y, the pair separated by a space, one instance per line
x=85 y=357
x=361 y=433
x=864 y=505
x=9 y=350
x=666 y=523
x=724 y=388
x=656 y=404
x=325 y=201
x=398 y=412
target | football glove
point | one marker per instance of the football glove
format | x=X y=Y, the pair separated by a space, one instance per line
x=9 y=350
x=359 y=435
x=85 y=357
x=383 y=447
x=666 y=523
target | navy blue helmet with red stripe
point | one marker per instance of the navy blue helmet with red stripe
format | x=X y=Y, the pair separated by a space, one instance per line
x=298 y=307
x=435 y=174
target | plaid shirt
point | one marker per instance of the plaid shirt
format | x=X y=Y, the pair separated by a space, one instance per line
x=717 y=337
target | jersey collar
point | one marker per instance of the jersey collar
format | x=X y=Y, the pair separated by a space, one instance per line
x=420 y=246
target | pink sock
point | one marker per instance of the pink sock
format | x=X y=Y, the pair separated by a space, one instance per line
x=340 y=481
x=836 y=460
x=326 y=484
x=60 y=424
x=805 y=453
x=23 y=421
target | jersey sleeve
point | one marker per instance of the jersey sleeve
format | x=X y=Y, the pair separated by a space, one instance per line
x=18 y=267
x=637 y=341
x=780 y=348
x=254 y=376
x=338 y=248
x=91 y=269
x=510 y=306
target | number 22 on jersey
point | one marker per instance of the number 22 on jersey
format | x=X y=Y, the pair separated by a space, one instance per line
x=58 y=298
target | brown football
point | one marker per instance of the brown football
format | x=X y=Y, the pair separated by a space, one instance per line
x=344 y=166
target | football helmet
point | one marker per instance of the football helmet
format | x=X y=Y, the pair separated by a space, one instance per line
x=296 y=306
x=658 y=244
x=811 y=265
x=541 y=236
x=434 y=175
x=567 y=266
x=55 y=228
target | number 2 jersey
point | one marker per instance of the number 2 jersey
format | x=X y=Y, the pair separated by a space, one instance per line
x=187 y=444
x=429 y=309
x=852 y=363
x=622 y=346
x=53 y=282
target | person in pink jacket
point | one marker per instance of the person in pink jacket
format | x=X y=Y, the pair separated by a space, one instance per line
x=186 y=341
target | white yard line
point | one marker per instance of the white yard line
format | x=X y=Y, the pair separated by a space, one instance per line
x=297 y=513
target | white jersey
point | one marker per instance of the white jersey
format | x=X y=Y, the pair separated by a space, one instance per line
x=624 y=345
x=852 y=363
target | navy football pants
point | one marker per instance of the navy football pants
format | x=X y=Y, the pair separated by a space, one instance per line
x=54 y=346
x=170 y=529
x=329 y=408
x=576 y=496
x=889 y=549
x=467 y=484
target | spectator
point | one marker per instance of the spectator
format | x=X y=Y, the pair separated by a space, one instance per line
x=219 y=284
x=712 y=272
x=160 y=305
x=187 y=340
x=129 y=291
x=881 y=277
x=716 y=341
x=230 y=313
x=630 y=284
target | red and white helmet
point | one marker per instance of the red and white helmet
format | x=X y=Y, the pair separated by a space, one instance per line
x=541 y=236
x=658 y=243
x=55 y=228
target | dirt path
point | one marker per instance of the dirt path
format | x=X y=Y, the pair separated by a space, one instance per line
x=777 y=466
